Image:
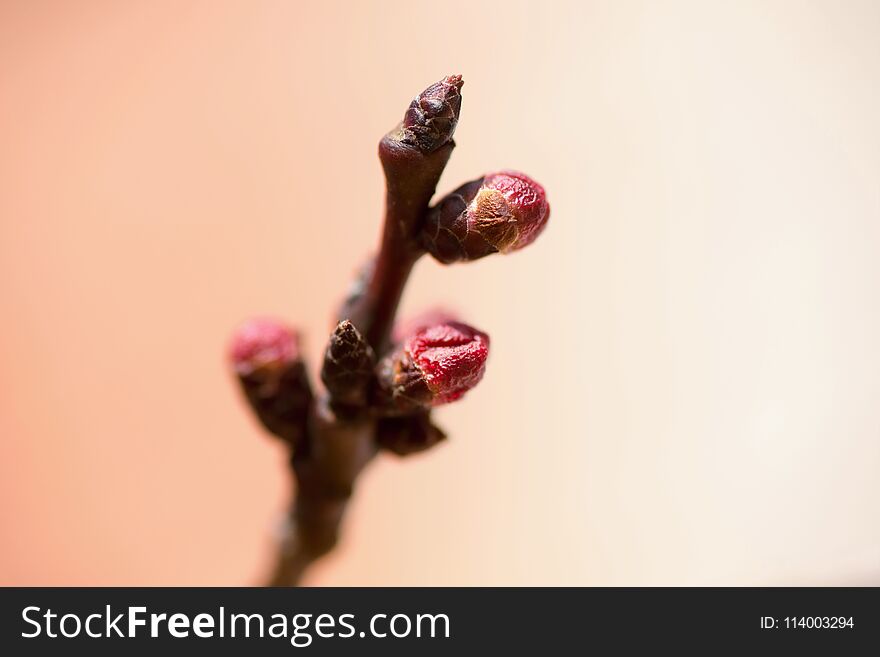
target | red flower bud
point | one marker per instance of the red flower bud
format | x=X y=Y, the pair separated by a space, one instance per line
x=434 y=366
x=262 y=343
x=266 y=358
x=432 y=116
x=500 y=212
x=451 y=356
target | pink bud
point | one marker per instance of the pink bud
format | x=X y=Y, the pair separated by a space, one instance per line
x=452 y=358
x=527 y=202
x=501 y=212
x=262 y=343
x=434 y=366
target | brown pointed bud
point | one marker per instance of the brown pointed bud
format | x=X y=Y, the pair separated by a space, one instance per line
x=498 y=213
x=408 y=434
x=265 y=356
x=348 y=367
x=435 y=366
x=432 y=116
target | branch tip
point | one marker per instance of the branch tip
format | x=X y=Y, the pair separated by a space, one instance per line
x=433 y=115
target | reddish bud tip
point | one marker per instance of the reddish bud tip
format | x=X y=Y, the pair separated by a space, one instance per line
x=262 y=343
x=527 y=202
x=426 y=319
x=434 y=366
x=432 y=116
x=500 y=212
x=451 y=356
x=266 y=358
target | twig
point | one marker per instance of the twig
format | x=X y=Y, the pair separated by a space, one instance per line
x=378 y=394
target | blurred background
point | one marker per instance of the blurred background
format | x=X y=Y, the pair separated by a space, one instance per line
x=685 y=373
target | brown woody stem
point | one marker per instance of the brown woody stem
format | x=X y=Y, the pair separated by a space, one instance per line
x=325 y=478
x=340 y=446
x=411 y=178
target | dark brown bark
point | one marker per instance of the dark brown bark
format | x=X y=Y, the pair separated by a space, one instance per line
x=377 y=396
x=342 y=435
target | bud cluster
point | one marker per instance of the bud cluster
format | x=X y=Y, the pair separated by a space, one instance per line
x=381 y=383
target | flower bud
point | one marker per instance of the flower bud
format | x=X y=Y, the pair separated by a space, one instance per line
x=266 y=358
x=500 y=212
x=348 y=367
x=261 y=344
x=432 y=116
x=434 y=366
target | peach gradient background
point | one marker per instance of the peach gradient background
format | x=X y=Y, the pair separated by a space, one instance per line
x=685 y=379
